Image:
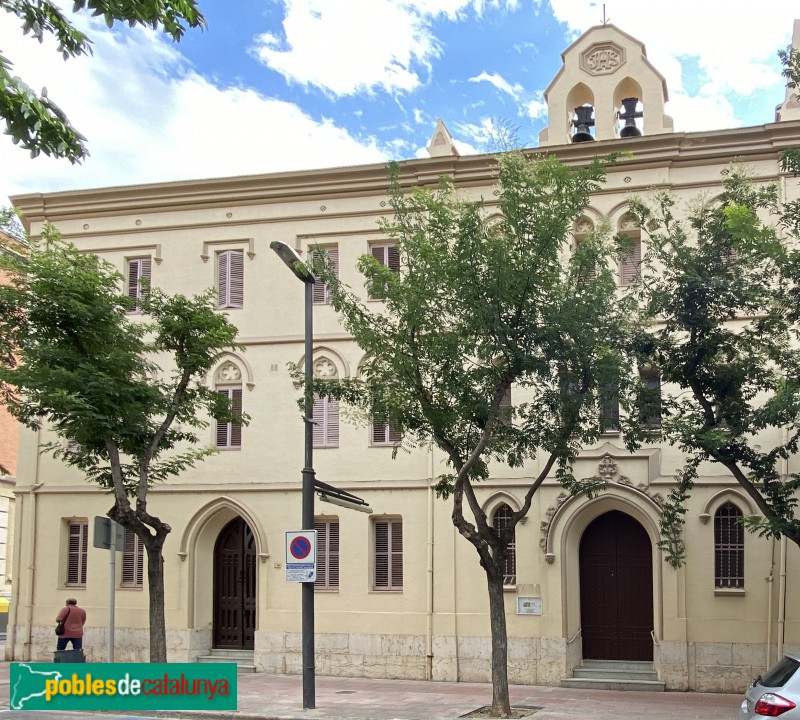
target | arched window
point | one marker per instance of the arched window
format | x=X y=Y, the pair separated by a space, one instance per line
x=728 y=547
x=228 y=381
x=500 y=520
x=632 y=259
x=326 y=409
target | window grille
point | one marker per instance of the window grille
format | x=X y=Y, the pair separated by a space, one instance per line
x=500 y=521
x=728 y=547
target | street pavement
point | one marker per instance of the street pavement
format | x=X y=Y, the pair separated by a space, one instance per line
x=279 y=697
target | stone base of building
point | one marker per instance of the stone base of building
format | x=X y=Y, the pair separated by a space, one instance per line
x=701 y=667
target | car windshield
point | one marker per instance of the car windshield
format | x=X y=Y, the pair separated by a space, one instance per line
x=780 y=673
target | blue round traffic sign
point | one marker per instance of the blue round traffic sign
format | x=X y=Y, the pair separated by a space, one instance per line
x=300 y=547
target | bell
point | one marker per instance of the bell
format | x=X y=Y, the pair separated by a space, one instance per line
x=629 y=115
x=582 y=124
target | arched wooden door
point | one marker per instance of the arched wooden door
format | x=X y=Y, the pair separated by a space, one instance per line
x=616 y=572
x=235 y=587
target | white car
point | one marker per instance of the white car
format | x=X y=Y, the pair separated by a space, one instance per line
x=776 y=693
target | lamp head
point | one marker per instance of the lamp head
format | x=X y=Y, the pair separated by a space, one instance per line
x=293 y=261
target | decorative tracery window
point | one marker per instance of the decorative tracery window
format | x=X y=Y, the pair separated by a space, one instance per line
x=228 y=381
x=728 y=547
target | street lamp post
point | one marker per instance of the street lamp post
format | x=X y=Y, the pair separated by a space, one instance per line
x=302 y=272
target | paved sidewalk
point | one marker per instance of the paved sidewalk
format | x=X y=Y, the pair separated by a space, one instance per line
x=279 y=697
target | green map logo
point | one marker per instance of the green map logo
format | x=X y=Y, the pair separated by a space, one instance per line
x=122 y=686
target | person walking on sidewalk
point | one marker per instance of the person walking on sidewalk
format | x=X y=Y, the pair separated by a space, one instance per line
x=73 y=618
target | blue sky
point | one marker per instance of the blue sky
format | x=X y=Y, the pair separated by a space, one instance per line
x=277 y=85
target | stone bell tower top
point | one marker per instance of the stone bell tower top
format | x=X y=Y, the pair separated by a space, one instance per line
x=603 y=67
x=790 y=109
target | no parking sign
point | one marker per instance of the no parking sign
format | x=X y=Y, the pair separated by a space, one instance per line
x=301 y=556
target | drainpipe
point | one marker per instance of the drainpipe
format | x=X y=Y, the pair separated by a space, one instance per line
x=782 y=599
x=782 y=575
x=771 y=581
x=27 y=646
x=429 y=608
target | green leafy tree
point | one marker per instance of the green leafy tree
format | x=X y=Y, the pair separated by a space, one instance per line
x=88 y=372
x=720 y=289
x=483 y=306
x=33 y=120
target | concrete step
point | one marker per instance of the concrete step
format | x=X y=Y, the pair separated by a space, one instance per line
x=242 y=658
x=631 y=675
x=635 y=665
x=603 y=673
x=241 y=667
x=610 y=684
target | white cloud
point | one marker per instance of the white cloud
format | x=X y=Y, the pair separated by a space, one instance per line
x=149 y=118
x=499 y=82
x=343 y=46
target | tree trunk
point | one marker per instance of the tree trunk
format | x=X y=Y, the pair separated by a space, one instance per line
x=155 y=581
x=501 y=703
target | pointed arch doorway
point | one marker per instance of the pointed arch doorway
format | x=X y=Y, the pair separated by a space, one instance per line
x=616 y=579
x=235 y=587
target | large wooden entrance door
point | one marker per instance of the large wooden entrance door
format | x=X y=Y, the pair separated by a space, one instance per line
x=235 y=587
x=616 y=571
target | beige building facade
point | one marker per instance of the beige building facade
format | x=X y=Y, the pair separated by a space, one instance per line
x=400 y=594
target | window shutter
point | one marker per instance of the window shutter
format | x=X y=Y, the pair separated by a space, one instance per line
x=651 y=411
x=222 y=280
x=396 y=529
x=319 y=421
x=76 y=559
x=230 y=434
x=327 y=554
x=236 y=282
x=133 y=279
x=326 y=422
x=381 y=554
x=139 y=269
x=236 y=429
x=389 y=555
x=322 y=293
x=132 y=561
x=631 y=262
x=393 y=258
x=378 y=433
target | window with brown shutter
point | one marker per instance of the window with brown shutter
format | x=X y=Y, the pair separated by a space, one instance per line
x=322 y=292
x=132 y=561
x=631 y=260
x=327 y=554
x=609 y=409
x=383 y=431
x=326 y=422
x=388 y=255
x=78 y=543
x=138 y=280
x=229 y=435
x=501 y=520
x=230 y=279
x=728 y=547
x=388 y=555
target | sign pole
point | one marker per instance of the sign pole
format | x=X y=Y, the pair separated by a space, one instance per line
x=309 y=679
x=112 y=577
